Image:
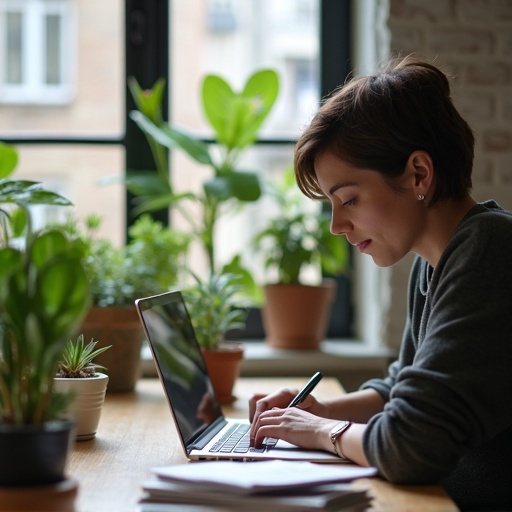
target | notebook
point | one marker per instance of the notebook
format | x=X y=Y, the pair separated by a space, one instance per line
x=204 y=432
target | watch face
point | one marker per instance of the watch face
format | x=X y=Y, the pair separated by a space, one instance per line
x=339 y=429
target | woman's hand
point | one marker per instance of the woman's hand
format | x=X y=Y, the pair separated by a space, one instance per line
x=295 y=425
x=260 y=404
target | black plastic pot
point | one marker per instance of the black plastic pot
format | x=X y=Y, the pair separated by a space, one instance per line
x=34 y=454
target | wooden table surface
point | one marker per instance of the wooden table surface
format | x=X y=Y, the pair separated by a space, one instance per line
x=136 y=432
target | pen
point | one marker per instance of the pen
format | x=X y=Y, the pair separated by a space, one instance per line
x=306 y=390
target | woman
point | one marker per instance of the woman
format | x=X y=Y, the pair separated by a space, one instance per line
x=394 y=157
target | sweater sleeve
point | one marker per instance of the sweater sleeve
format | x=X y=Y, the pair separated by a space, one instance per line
x=446 y=392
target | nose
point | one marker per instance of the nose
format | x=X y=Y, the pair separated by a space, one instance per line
x=340 y=224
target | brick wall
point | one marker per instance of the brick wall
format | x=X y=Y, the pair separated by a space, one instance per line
x=472 y=41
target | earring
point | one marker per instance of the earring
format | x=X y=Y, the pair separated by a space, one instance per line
x=421 y=197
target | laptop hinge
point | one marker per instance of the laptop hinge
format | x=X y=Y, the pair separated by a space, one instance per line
x=208 y=435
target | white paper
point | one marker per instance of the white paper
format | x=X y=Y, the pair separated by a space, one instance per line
x=262 y=475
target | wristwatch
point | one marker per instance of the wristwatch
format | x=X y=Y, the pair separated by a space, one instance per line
x=336 y=432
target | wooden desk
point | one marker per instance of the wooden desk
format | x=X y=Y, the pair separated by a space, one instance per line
x=136 y=432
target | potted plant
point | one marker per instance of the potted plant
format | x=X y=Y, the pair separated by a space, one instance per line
x=297 y=244
x=214 y=310
x=150 y=263
x=235 y=118
x=44 y=293
x=77 y=375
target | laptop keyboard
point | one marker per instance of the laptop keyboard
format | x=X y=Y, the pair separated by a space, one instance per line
x=236 y=440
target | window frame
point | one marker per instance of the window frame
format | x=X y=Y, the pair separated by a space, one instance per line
x=147 y=59
x=33 y=89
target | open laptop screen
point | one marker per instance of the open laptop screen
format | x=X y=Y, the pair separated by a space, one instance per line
x=180 y=363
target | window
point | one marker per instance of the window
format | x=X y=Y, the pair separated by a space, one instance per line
x=36 y=51
x=64 y=101
x=234 y=39
x=67 y=119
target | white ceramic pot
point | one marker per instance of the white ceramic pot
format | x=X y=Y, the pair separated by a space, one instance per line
x=86 y=406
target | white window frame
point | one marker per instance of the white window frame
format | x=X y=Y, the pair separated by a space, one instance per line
x=33 y=89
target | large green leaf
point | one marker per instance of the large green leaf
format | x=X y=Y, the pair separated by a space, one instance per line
x=19 y=221
x=146 y=184
x=47 y=246
x=244 y=186
x=29 y=192
x=10 y=259
x=158 y=202
x=61 y=295
x=237 y=117
x=217 y=98
x=250 y=291
x=8 y=160
x=173 y=138
x=263 y=87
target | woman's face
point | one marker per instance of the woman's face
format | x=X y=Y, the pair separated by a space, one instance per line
x=380 y=221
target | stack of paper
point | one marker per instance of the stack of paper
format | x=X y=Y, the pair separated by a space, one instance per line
x=280 y=486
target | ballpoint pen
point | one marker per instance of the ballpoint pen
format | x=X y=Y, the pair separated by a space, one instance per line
x=306 y=390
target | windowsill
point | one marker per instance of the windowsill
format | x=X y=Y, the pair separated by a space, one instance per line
x=350 y=361
x=333 y=354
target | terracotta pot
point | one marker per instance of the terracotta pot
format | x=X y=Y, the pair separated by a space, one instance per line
x=223 y=365
x=87 y=404
x=34 y=454
x=297 y=316
x=121 y=328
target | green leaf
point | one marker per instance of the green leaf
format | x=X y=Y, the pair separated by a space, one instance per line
x=195 y=148
x=48 y=246
x=237 y=117
x=8 y=160
x=153 y=203
x=62 y=306
x=19 y=221
x=264 y=87
x=250 y=291
x=146 y=184
x=173 y=138
x=10 y=259
x=29 y=192
x=148 y=101
x=243 y=186
x=217 y=97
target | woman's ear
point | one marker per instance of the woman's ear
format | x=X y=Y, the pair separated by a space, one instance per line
x=421 y=170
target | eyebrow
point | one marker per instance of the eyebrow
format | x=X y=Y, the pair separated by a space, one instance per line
x=341 y=184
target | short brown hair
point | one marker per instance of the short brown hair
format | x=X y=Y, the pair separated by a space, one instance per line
x=376 y=122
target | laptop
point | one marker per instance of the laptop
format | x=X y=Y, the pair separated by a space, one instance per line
x=204 y=432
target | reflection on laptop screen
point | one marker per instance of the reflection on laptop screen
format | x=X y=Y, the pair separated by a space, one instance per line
x=180 y=363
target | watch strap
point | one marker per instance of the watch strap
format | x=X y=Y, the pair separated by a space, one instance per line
x=337 y=431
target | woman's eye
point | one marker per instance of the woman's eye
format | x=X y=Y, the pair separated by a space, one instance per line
x=350 y=202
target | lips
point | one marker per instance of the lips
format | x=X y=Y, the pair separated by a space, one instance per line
x=361 y=245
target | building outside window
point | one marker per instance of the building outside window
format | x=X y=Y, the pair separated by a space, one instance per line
x=37 y=51
x=63 y=94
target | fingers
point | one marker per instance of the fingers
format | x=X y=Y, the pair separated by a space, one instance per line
x=252 y=404
x=258 y=404
x=290 y=424
x=267 y=425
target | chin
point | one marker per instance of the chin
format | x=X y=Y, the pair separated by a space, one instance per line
x=384 y=262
